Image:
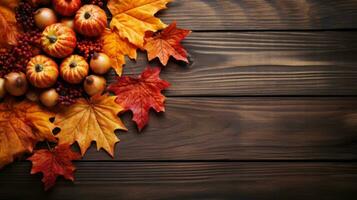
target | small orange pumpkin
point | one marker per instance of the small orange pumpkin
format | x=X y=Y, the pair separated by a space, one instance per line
x=58 y=40
x=42 y=72
x=90 y=20
x=67 y=7
x=74 y=69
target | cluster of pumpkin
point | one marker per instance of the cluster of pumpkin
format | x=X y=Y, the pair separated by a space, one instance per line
x=58 y=42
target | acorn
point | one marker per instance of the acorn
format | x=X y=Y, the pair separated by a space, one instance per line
x=100 y=63
x=49 y=98
x=44 y=17
x=94 y=84
x=2 y=88
x=16 y=83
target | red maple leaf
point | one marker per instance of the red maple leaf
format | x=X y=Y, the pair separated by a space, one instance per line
x=166 y=43
x=140 y=94
x=53 y=163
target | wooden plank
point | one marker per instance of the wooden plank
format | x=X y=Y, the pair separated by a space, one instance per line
x=243 y=129
x=262 y=14
x=152 y=180
x=263 y=63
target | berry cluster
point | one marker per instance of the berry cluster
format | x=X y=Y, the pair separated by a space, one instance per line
x=25 y=15
x=68 y=93
x=6 y=61
x=86 y=47
x=16 y=58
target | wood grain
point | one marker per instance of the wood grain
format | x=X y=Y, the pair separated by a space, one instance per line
x=262 y=14
x=214 y=143
x=263 y=63
x=197 y=180
x=243 y=129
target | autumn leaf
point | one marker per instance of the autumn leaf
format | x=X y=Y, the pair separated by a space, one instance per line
x=90 y=120
x=22 y=125
x=166 y=43
x=8 y=26
x=140 y=94
x=9 y=3
x=54 y=163
x=117 y=48
x=133 y=18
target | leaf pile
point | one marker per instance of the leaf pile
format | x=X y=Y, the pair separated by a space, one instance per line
x=23 y=123
x=132 y=21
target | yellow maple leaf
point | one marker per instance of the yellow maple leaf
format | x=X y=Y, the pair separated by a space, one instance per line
x=90 y=120
x=117 y=48
x=22 y=125
x=133 y=18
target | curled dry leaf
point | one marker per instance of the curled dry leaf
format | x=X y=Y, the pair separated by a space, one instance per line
x=116 y=48
x=90 y=120
x=22 y=125
x=133 y=18
x=8 y=27
x=54 y=163
x=166 y=43
x=140 y=94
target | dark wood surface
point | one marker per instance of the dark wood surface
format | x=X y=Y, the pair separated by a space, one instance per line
x=263 y=63
x=190 y=180
x=202 y=15
x=236 y=128
x=266 y=109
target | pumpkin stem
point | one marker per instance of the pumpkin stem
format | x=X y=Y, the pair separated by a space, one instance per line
x=51 y=38
x=73 y=65
x=38 y=68
x=87 y=15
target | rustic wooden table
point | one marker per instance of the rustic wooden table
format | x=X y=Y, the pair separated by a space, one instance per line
x=266 y=110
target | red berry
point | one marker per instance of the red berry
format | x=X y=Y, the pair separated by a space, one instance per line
x=86 y=47
x=16 y=58
x=68 y=93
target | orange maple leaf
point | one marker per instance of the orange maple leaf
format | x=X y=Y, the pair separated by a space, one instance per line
x=166 y=43
x=54 y=163
x=140 y=94
x=116 y=48
x=8 y=27
x=133 y=18
x=22 y=125
x=90 y=120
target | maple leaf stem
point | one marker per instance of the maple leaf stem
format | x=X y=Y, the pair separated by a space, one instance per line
x=49 y=146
